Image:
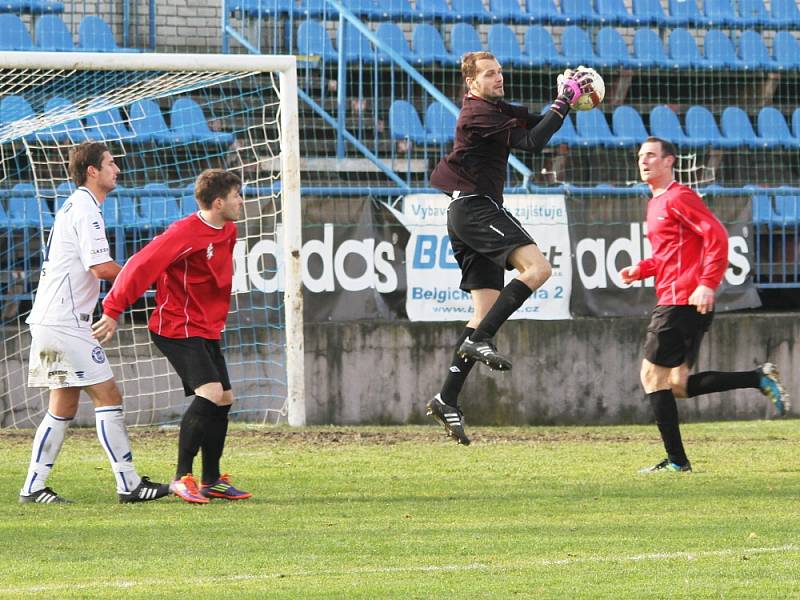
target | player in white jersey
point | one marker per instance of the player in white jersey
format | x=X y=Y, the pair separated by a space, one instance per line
x=64 y=356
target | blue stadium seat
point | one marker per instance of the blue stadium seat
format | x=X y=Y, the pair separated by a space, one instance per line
x=540 y=48
x=614 y=12
x=753 y=52
x=357 y=48
x=593 y=127
x=108 y=125
x=188 y=203
x=313 y=40
x=404 y=123
x=683 y=51
x=545 y=11
x=96 y=36
x=119 y=210
x=471 y=10
x=188 y=121
x=787 y=207
x=366 y=9
x=148 y=125
x=158 y=207
x=786 y=50
x=13 y=34
x=63 y=191
x=664 y=124
x=579 y=12
x=508 y=11
x=650 y=12
x=720 y=52
x=784 y=13
x=435 y=10
x=15 y=108
x=612 y=49
x=720 y=13
x=397 y=11
x=429 y=46
x=773 y=128
x=735 y=125
x=440 y=124
x=763 y=211
x=24 y=208
x=753 y=13
x=463 y=39
x=392 y=36
x=685 y=12
x=648 y=51
x=68 y=131
x=701 y=126
x=53 y=35
x=504 y=45
x=627 y=123
x=796 y=123
x=31 y=7
x=577 y=47
x=566 y=133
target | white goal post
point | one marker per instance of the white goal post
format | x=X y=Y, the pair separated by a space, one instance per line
x=249 y=125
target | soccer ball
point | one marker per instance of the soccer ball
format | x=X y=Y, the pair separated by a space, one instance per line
x=593 y=99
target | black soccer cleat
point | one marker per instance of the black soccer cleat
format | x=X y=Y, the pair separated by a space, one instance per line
x=667 y=466
x=43 y=496
x=451 y=417
x=145 y=491
x=484 y=351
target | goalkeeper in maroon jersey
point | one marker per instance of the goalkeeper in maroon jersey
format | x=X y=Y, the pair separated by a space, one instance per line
x=690 y=255
x=191 y=264
x=486 y=238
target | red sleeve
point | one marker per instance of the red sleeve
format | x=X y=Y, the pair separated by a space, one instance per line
x=693 y=212
x=647 y=268
x=143 y=268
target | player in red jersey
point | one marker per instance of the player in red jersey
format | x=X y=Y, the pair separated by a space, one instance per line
x=690 y=256
x=191 y=264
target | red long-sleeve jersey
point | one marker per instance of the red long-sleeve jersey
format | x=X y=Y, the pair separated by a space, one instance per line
x=191 y=264
x=690 y=245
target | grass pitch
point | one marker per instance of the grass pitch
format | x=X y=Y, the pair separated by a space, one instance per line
x=404 y=513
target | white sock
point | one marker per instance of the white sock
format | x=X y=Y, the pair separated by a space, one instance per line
x=46 y=445
x=113 y=436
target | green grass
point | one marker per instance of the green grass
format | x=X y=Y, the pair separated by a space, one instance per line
x=403 y=513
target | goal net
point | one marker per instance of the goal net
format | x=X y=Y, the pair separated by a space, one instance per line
x=165 y=118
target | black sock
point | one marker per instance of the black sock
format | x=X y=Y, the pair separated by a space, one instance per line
x=716 y=381
x=193 y=428
x=214 y=443
x=457 y=374
x=666 y=411
x=510 y=299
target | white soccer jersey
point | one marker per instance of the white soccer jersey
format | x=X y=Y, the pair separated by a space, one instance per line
x=68 y=291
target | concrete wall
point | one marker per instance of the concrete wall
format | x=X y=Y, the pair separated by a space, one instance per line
x=580 y=371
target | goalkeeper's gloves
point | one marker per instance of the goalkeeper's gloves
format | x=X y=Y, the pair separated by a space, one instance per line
x=571 y=85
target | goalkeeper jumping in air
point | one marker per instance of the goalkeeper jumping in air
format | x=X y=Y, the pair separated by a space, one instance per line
x=191 y=264
x=486 y=239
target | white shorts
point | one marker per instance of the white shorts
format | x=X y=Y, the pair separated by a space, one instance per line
x=64 y=357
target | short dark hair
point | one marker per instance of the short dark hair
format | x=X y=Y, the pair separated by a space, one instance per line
x=214 y=183
x=83 y=156
x=667 y=148
x=469 y=63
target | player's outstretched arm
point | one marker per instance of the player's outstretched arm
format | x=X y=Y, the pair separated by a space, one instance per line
x=104 y=329
x=570 y=85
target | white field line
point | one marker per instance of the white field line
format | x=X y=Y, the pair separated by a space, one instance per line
x=126 y=584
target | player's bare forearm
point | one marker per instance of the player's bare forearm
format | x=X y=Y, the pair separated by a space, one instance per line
x=106 y=271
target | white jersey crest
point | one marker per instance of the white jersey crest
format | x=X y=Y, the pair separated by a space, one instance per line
x=68 y=291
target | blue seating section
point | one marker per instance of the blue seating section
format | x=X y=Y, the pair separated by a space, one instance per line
x=53 y=35
x=145 y=124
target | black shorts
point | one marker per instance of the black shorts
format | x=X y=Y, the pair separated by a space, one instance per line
x=196 y=360
x=674 y=335
x=483 y=234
